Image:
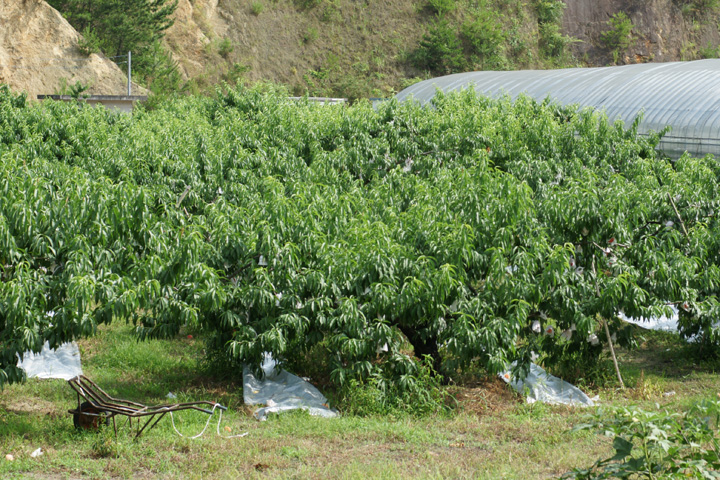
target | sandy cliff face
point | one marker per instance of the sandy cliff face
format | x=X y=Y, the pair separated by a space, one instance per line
x=39 y=53
x=186 y=39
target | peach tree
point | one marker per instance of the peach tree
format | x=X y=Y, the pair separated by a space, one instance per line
x=474 y=231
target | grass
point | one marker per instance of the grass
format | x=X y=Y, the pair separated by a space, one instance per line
x=492 y=435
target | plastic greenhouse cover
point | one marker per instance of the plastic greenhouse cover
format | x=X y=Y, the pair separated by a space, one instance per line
x=665 y=324
x=540 y=386
x=61 y=363
x=683 y=95
x=281 y=391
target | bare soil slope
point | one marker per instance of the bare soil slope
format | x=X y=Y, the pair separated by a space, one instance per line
x=300 y=44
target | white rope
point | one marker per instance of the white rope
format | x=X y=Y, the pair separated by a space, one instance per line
x=206 y=425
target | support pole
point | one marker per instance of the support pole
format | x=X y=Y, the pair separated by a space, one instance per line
x=612 y=352
x=129 y=73
x=607 y=330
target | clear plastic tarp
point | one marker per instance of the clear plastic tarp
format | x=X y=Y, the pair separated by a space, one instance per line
x=683 y=95
x=540 y=386
x=64 y=362
x=280 y=391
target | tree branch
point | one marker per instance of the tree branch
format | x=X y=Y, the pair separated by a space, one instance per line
x=682 y=224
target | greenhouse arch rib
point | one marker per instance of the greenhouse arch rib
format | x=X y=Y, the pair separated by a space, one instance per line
x=682 y=95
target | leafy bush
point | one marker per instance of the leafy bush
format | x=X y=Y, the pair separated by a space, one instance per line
x=225 y=47
x=618 y=38
x=257 y=7
x=89 y=43
x=549 y=13
x=485 y=35
x=709 y=51
x=698 y=8
x=440 y=50
x=552 y=42
x=656 y=444
x=310 y=35
x=442 y=7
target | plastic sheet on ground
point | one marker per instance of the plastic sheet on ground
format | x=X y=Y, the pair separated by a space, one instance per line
x=61 y=363
x=281 y=391
x=540 y=386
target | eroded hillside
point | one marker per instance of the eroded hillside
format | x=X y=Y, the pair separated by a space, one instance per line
x=361 y=48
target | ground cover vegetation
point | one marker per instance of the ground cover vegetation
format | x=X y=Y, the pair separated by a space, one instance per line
x=472 y=233
x=488 y=431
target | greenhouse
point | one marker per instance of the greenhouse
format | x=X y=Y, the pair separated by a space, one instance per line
x=682 y=95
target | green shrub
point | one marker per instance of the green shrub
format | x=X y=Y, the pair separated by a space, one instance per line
x=442 y=7
x=709 y=51
x=235 y=73
x=256 y=7
x=310 y=35
x=698 y=8
x=549 y=11
x=89 y=43
x=225 y=47
x=552 y=42
x=440 y=50
x=484 y=33
x=619 y=37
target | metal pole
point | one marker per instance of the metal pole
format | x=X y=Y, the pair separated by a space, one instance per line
x=129 y=73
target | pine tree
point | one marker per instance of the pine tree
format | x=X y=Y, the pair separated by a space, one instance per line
x=118 y=26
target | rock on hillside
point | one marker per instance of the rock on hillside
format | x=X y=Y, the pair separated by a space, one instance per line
x=661 y=32
x=39 y=53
